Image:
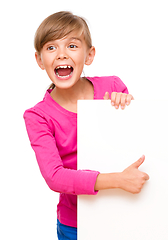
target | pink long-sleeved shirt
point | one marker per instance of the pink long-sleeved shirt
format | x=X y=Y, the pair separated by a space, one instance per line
x=52 y=131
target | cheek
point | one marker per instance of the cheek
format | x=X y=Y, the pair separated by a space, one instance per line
x=80 y=60
x=78 y=56
x=47 y=60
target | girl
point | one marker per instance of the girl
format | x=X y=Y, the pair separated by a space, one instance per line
x=63 y=46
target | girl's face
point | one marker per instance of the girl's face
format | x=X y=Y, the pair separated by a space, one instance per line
x=64 y=59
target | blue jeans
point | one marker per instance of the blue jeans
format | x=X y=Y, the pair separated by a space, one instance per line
x=65 y=232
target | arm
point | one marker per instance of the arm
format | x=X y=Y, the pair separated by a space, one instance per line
x=130 y=180
x=57 y=177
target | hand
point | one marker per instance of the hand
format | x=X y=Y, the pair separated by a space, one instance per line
x=132 y=179
x=118 y=99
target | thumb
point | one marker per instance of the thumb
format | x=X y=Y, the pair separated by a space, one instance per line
x=106 y=96
x=138 y=163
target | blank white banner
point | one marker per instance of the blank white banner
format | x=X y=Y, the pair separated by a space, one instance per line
x=110 y=140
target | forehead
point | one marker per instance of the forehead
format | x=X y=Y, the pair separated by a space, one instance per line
x=73 y=36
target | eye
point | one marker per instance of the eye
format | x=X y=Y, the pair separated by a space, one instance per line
x=50 y=48
x=72 y=46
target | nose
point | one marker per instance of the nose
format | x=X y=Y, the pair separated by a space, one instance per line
x=61 y=54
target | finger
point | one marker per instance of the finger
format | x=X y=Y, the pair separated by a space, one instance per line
x=129 y=98
x=146 y=177
x=138 y=163
x=106 y=96
x=118 y=100
x=123 y=100
x=113 y=98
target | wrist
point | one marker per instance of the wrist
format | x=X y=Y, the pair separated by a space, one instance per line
x=107 y=181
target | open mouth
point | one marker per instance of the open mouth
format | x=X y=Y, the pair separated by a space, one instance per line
x=64 y=71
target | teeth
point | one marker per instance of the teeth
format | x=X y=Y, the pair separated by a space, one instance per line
x=63 y=76
x=63 y=67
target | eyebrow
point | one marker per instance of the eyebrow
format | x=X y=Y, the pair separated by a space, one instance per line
x=75 y=38
x=69 y=39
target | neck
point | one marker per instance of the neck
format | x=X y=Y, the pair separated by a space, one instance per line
x=72 y=94
x=67 y=98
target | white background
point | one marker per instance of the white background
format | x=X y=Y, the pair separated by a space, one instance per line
x=131 y=42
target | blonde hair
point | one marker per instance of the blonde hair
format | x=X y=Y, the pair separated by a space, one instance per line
x=59 y=25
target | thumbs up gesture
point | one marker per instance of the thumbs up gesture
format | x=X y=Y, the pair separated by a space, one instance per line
x=132 y=179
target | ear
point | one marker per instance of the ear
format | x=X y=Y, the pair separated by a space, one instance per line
x=90 y=56
x=39 y=60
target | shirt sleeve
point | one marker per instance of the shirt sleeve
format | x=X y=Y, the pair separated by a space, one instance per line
x=58 y=178
x=119 y=86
